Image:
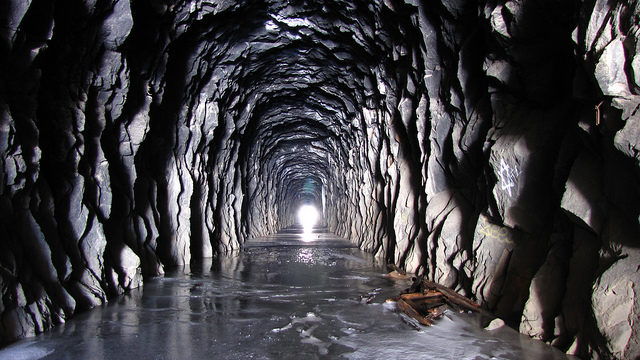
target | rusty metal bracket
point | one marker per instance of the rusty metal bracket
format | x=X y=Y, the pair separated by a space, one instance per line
x=598 y=112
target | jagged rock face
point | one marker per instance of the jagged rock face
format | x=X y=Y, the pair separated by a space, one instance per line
x=493 y=146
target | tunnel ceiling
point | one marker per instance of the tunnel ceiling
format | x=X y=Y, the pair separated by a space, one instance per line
x=492 y=146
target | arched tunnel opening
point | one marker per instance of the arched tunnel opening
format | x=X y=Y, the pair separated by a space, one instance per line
x=491 y=146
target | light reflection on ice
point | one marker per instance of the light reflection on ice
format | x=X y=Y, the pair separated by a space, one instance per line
x=271 y=303
x=305 y=256
x=25 y=351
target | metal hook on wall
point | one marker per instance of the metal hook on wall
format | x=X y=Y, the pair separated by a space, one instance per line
x=598 y=112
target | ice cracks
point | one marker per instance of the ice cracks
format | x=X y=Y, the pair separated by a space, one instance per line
x=305 y=327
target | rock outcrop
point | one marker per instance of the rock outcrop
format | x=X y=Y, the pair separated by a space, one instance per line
x=493 y=146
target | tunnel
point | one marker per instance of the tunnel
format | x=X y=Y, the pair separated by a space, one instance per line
x=492 y=146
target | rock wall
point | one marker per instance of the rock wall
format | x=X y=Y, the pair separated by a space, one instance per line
x=493 y=146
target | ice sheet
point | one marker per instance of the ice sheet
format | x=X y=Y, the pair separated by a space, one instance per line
x=275 y=302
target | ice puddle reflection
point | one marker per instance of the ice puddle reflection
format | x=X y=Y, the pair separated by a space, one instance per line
x=277 y=302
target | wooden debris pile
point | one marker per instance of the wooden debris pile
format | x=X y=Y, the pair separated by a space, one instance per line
x=426 y=301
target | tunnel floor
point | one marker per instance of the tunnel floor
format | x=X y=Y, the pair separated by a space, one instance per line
x=282 y=297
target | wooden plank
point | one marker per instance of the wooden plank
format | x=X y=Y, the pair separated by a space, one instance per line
x=436 y=312
x=421 y=296
x=452 y=296
x=427 y=300
x=423 y=307
x=411 y=312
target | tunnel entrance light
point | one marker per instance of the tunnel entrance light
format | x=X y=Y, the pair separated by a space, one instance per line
x=307 y=216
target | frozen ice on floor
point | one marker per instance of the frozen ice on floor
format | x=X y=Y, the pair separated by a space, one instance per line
x=285 y=300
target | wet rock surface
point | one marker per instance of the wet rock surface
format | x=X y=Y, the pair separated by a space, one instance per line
x=492 y=146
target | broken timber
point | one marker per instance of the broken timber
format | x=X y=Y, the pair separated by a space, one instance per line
x=428 y=300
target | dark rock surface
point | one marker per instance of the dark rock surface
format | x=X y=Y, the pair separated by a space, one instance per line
x=493 y=146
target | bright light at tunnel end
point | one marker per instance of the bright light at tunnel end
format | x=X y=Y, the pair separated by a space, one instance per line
x=308 y=217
